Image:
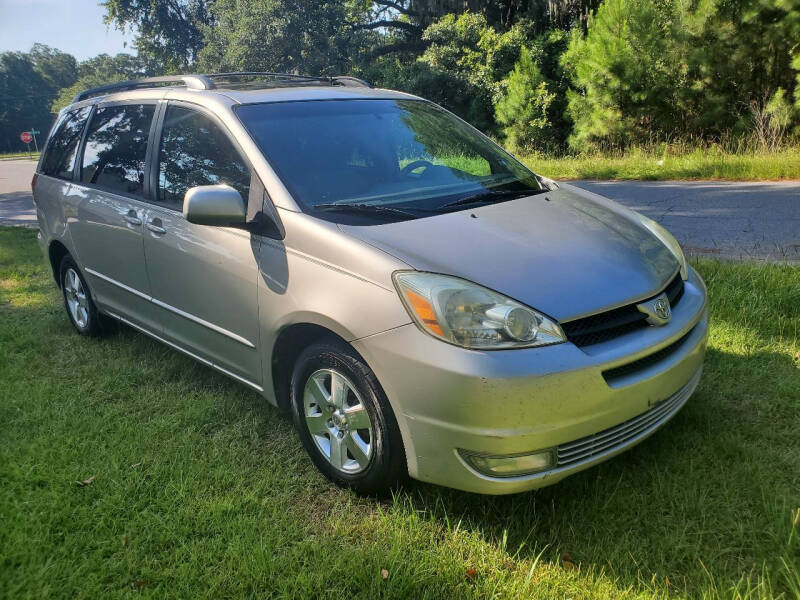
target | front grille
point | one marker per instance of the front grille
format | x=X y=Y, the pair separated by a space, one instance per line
x=611 y=324
x=620 y=435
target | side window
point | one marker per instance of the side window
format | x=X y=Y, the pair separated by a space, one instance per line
x=59 y=157
x=116 y=144
x=195 y=151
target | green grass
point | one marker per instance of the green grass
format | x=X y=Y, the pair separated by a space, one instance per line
x=203 y=491
x=706 y=163
x=12 y=155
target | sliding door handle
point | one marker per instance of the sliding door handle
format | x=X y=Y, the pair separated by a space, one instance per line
x=132 y=217
x=154 y=225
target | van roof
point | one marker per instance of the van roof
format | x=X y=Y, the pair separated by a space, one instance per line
x=240 y=88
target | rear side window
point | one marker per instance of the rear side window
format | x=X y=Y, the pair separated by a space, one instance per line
x=116 y=145
x=59 y=157
x=195 y=151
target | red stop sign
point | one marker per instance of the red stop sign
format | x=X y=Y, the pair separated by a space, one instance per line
x=26 y=137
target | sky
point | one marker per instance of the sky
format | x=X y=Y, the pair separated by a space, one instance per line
x=73 y=26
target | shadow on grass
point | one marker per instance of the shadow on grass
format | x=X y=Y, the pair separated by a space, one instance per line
x=704 y=502
x=709 y=495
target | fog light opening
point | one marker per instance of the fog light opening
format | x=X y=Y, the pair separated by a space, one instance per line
x=511 y=465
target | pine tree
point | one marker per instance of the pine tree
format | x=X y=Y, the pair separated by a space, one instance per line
x=523 y=108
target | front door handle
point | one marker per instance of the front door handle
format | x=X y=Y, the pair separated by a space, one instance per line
x=155 y=226
x=132 y=217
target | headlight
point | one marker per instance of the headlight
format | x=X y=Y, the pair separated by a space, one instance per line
x=668 y=240
x=469 y=315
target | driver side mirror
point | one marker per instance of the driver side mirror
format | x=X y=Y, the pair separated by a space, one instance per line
x=219 y=205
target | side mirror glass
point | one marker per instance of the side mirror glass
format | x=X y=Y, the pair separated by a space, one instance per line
x=219 y=205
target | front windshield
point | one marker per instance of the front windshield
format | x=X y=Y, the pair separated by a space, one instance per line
x=372 y=161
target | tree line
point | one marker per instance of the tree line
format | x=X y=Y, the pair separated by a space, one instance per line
x=547 y=76
x=37 y=84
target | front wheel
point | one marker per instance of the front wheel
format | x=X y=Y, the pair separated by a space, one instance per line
x=344 y=419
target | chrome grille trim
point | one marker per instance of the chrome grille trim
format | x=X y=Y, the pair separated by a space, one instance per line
x=622 y=435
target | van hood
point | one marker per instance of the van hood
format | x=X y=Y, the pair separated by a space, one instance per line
x=567 y=253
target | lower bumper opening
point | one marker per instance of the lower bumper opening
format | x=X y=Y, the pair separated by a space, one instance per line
x=583 y=452
x=620 y=373
x=608 y=440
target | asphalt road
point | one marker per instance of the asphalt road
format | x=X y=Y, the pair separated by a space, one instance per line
x=718 y=218
x=726 y=219
x=16 y=202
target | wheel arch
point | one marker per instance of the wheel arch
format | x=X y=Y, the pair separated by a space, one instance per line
x=289 y=343
x=56 y=252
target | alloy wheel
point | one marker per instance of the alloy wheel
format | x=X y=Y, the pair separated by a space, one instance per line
x=77 y=302
x=338 y=421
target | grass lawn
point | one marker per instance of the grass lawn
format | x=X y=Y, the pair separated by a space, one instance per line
x=697 y=164
x=202 y=490
x=14 y=155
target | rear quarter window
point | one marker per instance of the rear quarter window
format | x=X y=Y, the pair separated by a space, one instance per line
x=59 y=156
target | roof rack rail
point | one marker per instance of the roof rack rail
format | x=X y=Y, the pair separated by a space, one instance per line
x=192 y=82
x=200 y=81
x=351 y=81
x=345 y=80
x=265 y=74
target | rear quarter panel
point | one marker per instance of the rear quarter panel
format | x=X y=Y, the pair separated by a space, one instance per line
x=52 y=212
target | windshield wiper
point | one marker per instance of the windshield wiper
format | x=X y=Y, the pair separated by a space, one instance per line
x=367 y=208
x=489 y=196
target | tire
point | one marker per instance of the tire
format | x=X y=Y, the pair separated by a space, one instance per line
x=78 y=303
x=369 y=459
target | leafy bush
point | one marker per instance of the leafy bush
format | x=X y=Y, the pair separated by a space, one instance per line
x=465 y=65
x=771 y=120
x=454 y=92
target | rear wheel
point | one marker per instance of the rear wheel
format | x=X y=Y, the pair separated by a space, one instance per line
x=344 y=419
x=78 y=301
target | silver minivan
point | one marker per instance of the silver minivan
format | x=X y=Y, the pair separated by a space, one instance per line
x=420 y=301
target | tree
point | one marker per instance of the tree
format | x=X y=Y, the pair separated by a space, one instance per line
x=276 y=35
x=100 y=70
x=58 y=69
x=655 y=70
x=523 y=110
x=25 y=97
x=169 y=32
x=738 y=52
x=28 y=83
x=632 y=71
x=466 y=50
x=796 y=66
x=624 y=73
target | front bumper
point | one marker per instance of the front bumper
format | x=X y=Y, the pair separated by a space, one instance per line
x=557 y=397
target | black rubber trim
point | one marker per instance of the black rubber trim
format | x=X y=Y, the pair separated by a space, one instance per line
x=613 y=375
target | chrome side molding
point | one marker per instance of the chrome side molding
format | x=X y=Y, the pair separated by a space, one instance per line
x=199 y=359
x=177 y=311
